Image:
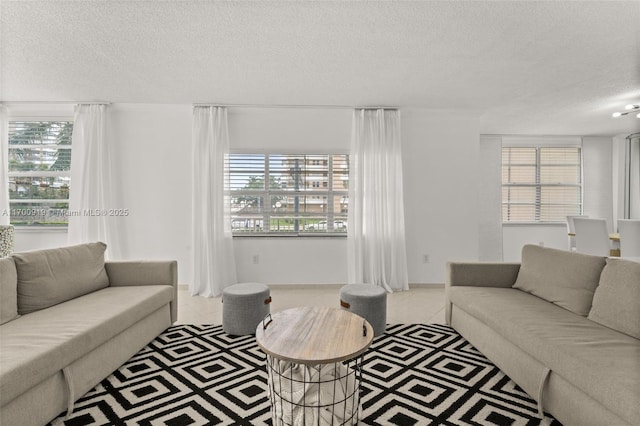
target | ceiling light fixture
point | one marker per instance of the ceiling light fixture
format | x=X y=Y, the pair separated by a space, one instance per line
x=631 y=108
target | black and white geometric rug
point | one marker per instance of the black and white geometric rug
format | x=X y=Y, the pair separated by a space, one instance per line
x=414 y=374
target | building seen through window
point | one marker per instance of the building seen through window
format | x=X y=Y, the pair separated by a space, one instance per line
x=288 y=193
x=39 y=172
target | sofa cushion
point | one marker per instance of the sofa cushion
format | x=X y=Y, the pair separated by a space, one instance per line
x=564 y=278
x=49 y=277
x=616 y=303
x=37 y=345
x=8 y=290
x=601 y=362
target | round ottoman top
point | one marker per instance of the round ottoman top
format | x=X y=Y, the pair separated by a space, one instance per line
x=362 y=290
x=244 y=289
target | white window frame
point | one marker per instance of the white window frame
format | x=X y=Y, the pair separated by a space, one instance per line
x=330 y=223
x=538 y=186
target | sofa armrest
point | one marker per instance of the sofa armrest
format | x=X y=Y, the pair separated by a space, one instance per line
x=148 y=272
x=478 y=274
x=482 y=274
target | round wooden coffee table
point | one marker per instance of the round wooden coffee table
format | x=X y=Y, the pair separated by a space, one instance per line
x=314 y=364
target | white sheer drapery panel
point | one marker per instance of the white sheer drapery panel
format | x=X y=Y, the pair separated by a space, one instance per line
x=376 y=233
x=5 y=217
x=214 y=265
x=91 y=186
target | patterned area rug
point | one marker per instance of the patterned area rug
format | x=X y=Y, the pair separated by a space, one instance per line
x=197 y=375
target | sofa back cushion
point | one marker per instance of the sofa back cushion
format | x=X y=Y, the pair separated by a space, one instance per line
x=561 y=277
x=8 y=290
x=616 y=303
x=49 y=277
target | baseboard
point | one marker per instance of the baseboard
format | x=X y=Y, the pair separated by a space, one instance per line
x=312 y=285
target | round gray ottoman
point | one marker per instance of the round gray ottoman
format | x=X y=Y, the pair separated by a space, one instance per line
x=368 y=301
x=243 y=307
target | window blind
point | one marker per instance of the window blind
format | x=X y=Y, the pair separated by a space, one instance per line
x=541 y=184
x=288 y=193
x=39 y=171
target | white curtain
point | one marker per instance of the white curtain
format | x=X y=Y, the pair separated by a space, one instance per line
x=91 y=186
x=213 y=259
x=4 y=165
x=376 y=235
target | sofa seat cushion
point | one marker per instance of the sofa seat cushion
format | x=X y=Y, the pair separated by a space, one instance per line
x=601 y=362
x=39 y=344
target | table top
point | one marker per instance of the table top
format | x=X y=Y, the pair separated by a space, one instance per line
x=314 y=335
x=613 y=236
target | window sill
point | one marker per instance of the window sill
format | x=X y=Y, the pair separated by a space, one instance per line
x=280 y=235
x=534 y=224
x=34 y=229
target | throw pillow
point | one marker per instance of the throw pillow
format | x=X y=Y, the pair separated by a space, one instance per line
x=616 y=303
x=561 y=277
x=49 y=277
x=8 y=290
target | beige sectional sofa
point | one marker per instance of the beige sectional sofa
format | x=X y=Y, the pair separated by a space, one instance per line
x=564 y=326
x=69 y=319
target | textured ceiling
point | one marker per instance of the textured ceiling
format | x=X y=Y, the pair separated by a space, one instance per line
x=526 y=67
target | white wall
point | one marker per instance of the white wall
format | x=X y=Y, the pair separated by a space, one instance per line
x=152 y=157
x=32 y=239
x=597 y=156
x=440 y=161
x=515 y=236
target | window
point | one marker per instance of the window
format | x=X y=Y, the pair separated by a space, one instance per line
x=39 y=172
x=288 y=194
x=541 y=184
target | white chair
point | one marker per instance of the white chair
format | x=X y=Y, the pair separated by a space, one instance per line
x=629 y=230
x=592 y=236
x=572 y=230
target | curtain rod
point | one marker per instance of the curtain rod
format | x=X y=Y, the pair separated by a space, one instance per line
x=54 y=103
x=292 y=106
x=203 y=105
x=633 y=135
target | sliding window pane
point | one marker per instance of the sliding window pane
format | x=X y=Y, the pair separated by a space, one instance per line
x=50 y=213
x=560 y=174
x=518 y=213
x=39 y=164
x=246 y=204
x=541 y=183
x=287 y=172
x=551 y=212
x=519 y=174
x=564 y=156
x=519 y=194
x=340 y=172
x=560 y=195
x=288 y=192
x=39 y=187
x=246 y=172
x=519 y=156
